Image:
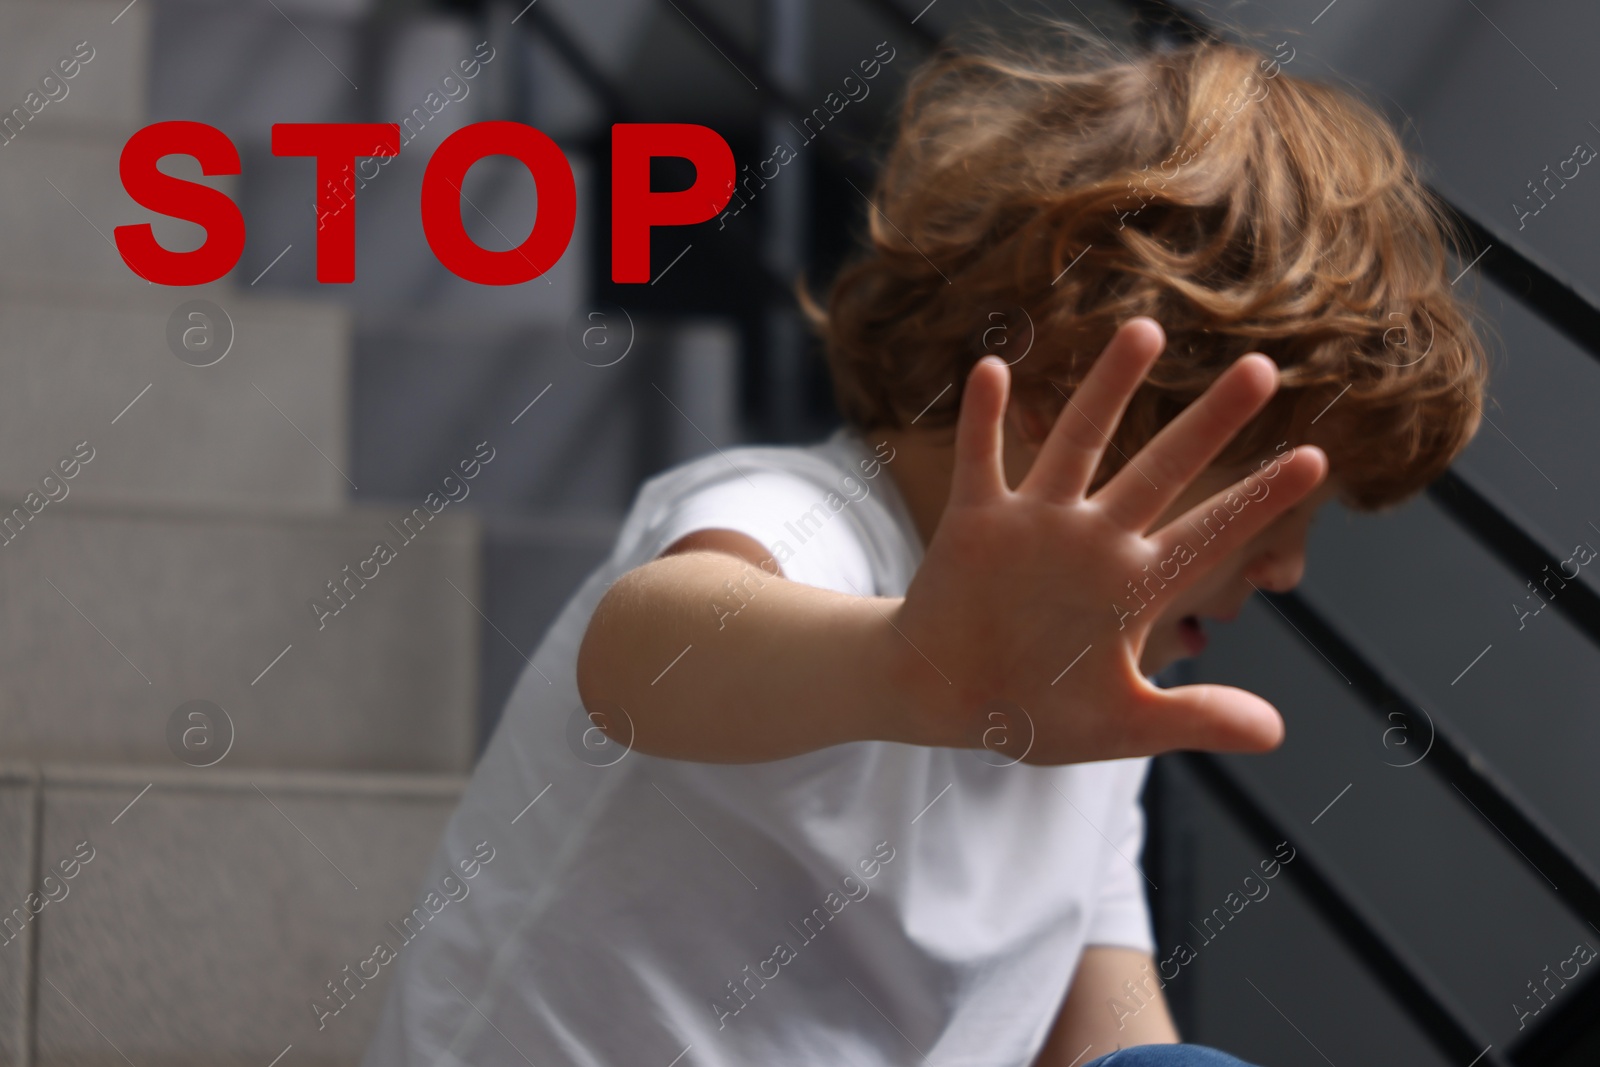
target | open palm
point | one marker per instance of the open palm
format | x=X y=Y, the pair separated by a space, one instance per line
x=1022 y=609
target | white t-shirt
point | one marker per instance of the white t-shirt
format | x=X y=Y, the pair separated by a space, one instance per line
x=867 y=904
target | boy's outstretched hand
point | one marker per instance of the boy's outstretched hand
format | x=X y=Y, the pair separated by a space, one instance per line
x=1015 y=585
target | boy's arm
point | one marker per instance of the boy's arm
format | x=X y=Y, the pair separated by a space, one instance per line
x=1100 y=1016
x=672 y=645
x=1011 y=584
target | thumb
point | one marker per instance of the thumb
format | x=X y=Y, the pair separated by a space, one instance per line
x=1212 y=718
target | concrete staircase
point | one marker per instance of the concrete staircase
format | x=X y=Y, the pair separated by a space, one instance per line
x=206 y=907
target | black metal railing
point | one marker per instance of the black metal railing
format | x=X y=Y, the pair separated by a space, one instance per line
x=1570 y=1035
x=1538 y=845
x=1399 y=972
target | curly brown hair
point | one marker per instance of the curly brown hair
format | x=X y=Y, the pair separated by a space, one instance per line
x=1063 y=183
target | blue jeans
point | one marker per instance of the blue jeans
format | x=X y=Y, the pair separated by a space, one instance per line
x=1168 y=1056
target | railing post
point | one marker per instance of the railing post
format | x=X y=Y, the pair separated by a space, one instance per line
x=786 y=221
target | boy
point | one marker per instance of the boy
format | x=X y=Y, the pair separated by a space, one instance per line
x=836 y=760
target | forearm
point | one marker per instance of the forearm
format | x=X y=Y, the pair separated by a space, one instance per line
x=760 y=669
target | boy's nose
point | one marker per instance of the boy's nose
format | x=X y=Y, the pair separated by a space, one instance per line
x=1276 y=572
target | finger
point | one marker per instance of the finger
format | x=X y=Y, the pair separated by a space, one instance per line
x=979 y=473
x=1203 y=536
x=1138 y=493
x=1071 y=451
x=1208 y=718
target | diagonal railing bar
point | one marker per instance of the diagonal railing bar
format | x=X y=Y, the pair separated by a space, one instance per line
x=1497 y=527
x=717 y=36
x=594 y=78
x=1522 y=273
x=1540 y=847
x=1383 y=954
x=1566 y=1036
x=905 y=20
x=578 y=60
x=1499 y=803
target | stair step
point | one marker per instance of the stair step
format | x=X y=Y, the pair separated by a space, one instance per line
x=61 y=197
x=111 y=618
x=238 y=895
x=267 y=424
x=106 y=47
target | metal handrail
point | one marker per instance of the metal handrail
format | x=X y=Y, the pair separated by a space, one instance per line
x=1558 y=301
x=1496 y=526
x=1576 y=883
x=587 y=69
x=1390 y=963
x=1496 y=801
x=736 y=53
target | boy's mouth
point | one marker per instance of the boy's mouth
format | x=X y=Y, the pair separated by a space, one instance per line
x=1193 y=634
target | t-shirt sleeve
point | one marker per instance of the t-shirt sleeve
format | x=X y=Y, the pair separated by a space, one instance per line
x=1122 y=913
x=791 y=515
